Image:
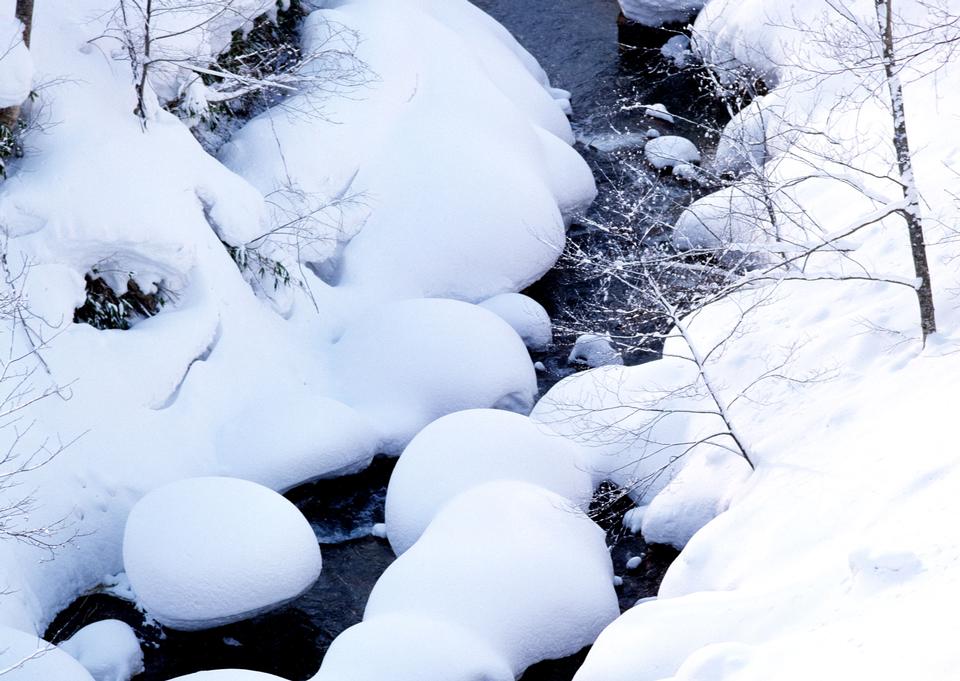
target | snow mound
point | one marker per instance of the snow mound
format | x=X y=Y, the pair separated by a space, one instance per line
x=469 y=448
x=409 y=363
x=658 y=111
x=700 y=492
x=410 y=647
x=16 y=67
x=525 y=315
x=203 y=552
x=632 y=422
x=517 y=565
x=677 y=50
x=656 y=13
x=668 y=151
x=229 y=675
x=733 y=220
x=24 y=657
x=108 y=649
x=594 y=351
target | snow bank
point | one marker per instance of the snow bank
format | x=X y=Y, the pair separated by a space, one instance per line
x=410 y=647
x=631 y=422
x=469 y=448
x=516 y=565
x=16 y=68
x=24 y=657
x=203 y=552
x=732 y=219
x=408 y=363
x=525 y=315
x=668 y=151
x=108 y=649
x=700 y=492
x=659 y=12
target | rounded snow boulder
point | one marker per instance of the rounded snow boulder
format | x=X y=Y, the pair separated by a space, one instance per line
x=410 y=647
x=24 y=657
x=468 y=448
x=108 y=649
x=204 y=552
x=229 y=675
x=516 y=565
x=407 y=363
x=525 y=315
x=668 y=151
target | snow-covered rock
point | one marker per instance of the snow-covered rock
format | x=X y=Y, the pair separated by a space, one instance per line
x=659 y=12
x=24 y=657
x=525 y=315
x=696 y=495
x=677 y=50
x=516 y=565
x=594 y=350
x=203 y=552
x=410 y=647
x=668 y=151
x=733 y=221
x=611 y=142
x=659 y=112
x=408 y=363
x=108 y=649
x=229 y=675
x=469 y=448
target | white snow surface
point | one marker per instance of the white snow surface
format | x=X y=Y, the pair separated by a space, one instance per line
x=518 y=566
x=837 y=557
x=594 y=350
x=16 y=67
x=24 y=657
x=283 y=386
x=525 y=315
x=228 y=675
x=468 y=448
x=410 y=647
x=659 y=12
x=668 y=151
x=203 y=552
x=108 y=649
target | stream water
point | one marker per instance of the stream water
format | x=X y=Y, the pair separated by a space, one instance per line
x=577 y=42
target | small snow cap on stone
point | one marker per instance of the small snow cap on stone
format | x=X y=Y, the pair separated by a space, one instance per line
x=108 y=649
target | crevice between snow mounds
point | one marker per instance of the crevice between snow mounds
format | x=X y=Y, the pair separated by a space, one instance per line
x=212 y=339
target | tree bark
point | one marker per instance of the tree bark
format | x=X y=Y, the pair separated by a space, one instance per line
x=901 y=145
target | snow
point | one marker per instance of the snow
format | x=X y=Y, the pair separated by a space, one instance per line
x=526 y=316
x=594 y=351
x=612 y=142
x=411 y=647
x=408 y=363
x=677 y=50
x=659 y=12
x=108 y=649
x=657 y=111
x=469 y=448
x=702 y=490
x=668 y=151
x=16 y=68
x=203 y=552
x=24 y=657
x=733 y=219
x=228 y=675
x=236 y=377
x=515 y=564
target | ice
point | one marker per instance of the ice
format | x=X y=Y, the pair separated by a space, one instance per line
x=526 y=316
x=203 y=552
x=469 y=448
x=108 y=649
x=668 y=151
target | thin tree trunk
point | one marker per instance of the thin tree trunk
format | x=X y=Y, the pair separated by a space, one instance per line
x=901 y=145
x=10 y=114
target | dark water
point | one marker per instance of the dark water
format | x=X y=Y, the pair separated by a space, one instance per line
x=579 y=45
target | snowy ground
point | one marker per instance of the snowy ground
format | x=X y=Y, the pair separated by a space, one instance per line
x=834 y=559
